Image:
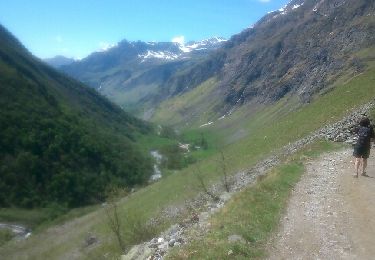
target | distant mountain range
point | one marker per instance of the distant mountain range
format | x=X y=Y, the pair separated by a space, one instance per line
x=299 y=50
x=59 y=61
x=131 y=73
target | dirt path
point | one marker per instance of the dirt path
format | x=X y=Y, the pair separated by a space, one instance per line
x=330 y=215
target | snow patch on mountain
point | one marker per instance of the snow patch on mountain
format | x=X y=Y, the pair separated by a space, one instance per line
x=158 y=55
x=182 y=50
x=286 y=8
x=105 y=46
x=207 y=124
x=201 y=45
x=296 y=6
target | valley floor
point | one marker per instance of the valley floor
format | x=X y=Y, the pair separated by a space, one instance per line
x=330 y=215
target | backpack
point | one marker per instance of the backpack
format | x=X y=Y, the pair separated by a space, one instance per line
x=364 y=135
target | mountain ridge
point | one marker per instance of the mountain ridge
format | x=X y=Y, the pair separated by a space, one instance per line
x=59 y=61
x=61 y=141
x=298 y=52
x=131 y=73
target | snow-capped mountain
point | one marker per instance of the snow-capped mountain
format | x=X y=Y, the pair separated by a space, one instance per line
x=181 y=50
x=138 y=67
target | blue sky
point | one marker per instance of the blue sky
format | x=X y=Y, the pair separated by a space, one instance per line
x=75 y=28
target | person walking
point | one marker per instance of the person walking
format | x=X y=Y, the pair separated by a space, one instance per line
x=362 y=147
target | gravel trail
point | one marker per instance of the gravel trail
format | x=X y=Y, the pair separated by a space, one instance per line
x=330 y=215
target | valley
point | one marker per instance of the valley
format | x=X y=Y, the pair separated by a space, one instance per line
x=230 y=126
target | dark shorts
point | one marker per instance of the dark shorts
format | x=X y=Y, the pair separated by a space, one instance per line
x=361 y=152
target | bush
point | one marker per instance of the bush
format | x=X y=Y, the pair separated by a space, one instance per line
x=5 y=236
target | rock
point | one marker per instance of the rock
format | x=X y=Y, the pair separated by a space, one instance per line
x=138 y=252
x=236 y=238
x=225 y=196
x=90 y=240
x=160 y=240
x=153 y=245
x=204 y=216
x=174 y=229
x=163 y=246
x=172 y=242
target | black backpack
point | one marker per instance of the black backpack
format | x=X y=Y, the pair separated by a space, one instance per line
x=364 y=135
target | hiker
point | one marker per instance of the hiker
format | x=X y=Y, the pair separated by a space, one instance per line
x=362 y=147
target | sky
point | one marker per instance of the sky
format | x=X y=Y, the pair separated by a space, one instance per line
x=76 y=28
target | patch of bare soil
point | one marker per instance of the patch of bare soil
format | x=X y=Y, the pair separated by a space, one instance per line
x=330 y=215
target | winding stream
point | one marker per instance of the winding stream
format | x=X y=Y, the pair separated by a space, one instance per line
x=157 y=172
x=20 y=232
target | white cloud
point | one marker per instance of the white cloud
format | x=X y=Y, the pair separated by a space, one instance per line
x=179 y=39
x=104 y=46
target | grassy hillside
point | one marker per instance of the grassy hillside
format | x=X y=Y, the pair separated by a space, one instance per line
x=184 y=109
x=269 y=129
x=253 y=213
x=61 y=143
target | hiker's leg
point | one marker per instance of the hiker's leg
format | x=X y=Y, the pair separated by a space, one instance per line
x=364 y=165
x=356 y=165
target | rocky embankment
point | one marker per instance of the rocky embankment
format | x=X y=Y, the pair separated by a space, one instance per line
x=177 y=235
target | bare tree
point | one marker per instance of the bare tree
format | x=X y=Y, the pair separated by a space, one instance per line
x=223 y=165
x=202 y=184
x=113 y=220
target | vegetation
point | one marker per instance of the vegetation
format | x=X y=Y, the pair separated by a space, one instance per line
x=276 y=122
x=253 y=214
x=70 y=145
x=5 y=236
x=60 y=141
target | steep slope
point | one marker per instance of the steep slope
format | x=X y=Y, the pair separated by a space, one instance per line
x=299 y=50
x=131 y=73
x=60 y=141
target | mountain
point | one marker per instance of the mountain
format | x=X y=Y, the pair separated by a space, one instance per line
x=59 y=61
x=131 y=73
x=61 y=142
x=298 y=51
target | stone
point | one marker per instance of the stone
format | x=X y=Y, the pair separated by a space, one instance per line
x=174 y=229
x=90 y=240
x=163 y=246
x=204 y=216
x=225 y=196
x=138 y=252
x=236 y=238
x=172 y=242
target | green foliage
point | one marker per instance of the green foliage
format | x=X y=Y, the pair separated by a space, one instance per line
x=60 y=141
x=172 y=157
x=5 y=236
x=137 y=228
